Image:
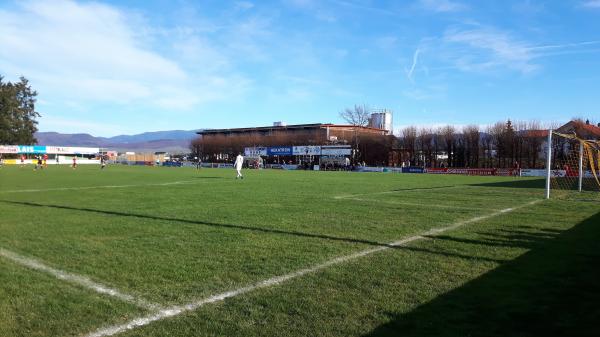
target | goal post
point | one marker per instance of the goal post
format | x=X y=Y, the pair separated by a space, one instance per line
x=572 y=165
x=548 y=164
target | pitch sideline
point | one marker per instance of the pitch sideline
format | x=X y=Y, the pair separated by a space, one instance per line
x=76 y=279
x=180 y=309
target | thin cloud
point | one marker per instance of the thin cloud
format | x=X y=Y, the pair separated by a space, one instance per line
x=243 y=5
x=487 y=49
x=575 y=45
x=362 y=7
x=443 y=5
x=591 y=4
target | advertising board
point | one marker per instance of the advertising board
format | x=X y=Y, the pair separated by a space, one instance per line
x=336 y=151
x=41 y=149
x=255 y=151
x=35 y=149
x=473 y=171
x=369 y=169
x=9 y=149
x=413 y=169
x=436 y=170
x=71 y=150
x=279 y=151
x=507 y=172
x=306 y=150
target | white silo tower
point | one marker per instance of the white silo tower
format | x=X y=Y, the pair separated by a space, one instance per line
x=382 y=119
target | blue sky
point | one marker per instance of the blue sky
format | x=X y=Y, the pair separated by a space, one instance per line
x=122 y=67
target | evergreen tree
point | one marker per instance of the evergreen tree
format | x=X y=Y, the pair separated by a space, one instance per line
x=18 y=122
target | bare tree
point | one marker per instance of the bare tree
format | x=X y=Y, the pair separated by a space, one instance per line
x=498 y=146
x=487 y=143
x=425 y=146
x=448 y=134
x=471 y=137
x=409 y=140
x=196 y=147
x=357 y=116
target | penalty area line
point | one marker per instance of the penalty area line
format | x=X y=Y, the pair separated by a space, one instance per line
x=180 y=309
x=403 y=203
x=76 y=279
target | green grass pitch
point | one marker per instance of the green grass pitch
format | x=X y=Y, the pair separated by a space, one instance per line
x=175 y=236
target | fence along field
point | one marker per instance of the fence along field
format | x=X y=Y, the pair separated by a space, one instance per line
x=158 y=251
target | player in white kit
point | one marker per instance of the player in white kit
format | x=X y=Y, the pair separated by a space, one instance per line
x=239 y=162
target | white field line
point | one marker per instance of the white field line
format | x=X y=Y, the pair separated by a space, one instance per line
x=408 y=191
x=428 y=205
x=76 y=279
x=180 y=309
x=102 y=186
x=346 y=196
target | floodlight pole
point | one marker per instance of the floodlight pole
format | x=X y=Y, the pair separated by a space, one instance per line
x=580 y=165
x=548 y=163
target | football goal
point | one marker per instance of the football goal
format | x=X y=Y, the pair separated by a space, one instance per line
x=571 y=165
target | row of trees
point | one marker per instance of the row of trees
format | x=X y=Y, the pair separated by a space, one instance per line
x=499 y=145
x=18 y=122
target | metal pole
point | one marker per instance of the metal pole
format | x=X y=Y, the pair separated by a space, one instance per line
x=580 y=166
x=548 y=163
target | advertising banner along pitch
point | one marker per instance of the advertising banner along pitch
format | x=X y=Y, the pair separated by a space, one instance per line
x=255 y=151
x=280 y=151
x=336 y=151
x=306 y=150
x=35 y=149
x=9 y=149
x=42 y=149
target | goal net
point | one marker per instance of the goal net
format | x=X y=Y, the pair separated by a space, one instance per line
x=572 y=166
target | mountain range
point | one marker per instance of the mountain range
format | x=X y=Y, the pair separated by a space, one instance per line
x=174 y=141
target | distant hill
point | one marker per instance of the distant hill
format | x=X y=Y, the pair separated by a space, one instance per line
x=151 y=136
x=175 y=141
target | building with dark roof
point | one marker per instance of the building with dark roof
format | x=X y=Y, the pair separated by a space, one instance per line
x=223 y=144
x=318 y=134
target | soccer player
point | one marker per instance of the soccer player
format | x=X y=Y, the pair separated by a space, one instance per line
x=239 y=162
x=22 y=160
x=102 y=163
x=45 y=161
x=74 y=165
x=39 y=163
x=1 y=161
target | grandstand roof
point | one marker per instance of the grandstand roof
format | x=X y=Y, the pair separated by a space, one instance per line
x=286 y=127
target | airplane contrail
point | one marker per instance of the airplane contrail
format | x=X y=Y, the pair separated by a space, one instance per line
x=414 y=64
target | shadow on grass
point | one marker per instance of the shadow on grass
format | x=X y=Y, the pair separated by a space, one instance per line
x=196 y=222
x=517 y=183
x=552 y=290
x=256 y=229
x=507 y=238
